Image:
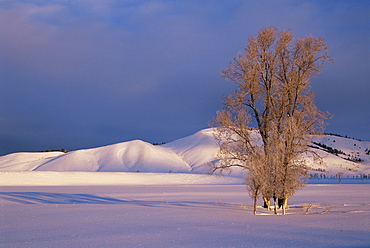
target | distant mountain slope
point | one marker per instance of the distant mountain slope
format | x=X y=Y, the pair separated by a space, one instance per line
x=191 y=154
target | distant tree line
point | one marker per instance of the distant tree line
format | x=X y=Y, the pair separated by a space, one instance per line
x=55 y=150
x=339 y=175
x=336 y=152
x=329 y=149
x=338 y=135
x=158 y=144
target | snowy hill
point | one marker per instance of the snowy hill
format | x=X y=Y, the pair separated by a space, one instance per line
x=196 y=150
x=25 y=161
x=128 y=156
x=190 y=154
x=345 y=155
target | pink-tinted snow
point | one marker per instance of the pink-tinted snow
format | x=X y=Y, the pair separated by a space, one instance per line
x=180 y=216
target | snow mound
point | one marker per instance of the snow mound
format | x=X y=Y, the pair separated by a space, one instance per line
x=123 y=157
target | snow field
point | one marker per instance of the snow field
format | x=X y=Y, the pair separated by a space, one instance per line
x=53 y=178
x=190 y=215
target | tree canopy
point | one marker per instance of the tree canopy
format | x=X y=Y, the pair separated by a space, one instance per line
x=273 y=76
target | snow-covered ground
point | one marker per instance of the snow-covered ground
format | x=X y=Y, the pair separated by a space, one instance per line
x=52 y=178
x=135 y=194
x=172 y=210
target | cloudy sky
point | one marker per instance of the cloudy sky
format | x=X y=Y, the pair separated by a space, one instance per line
x=81 y=74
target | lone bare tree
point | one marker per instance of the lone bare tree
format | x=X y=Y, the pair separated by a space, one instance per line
x=273 y=77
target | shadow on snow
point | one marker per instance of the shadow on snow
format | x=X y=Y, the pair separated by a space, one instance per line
x=63 y=198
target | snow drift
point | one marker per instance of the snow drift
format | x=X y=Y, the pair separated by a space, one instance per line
x=190 y=154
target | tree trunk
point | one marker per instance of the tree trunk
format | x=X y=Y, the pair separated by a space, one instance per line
x=267 y=203
x=275 y=206
x=285 y=204
x=280 y=202
x=255 y=206
x=255 y=198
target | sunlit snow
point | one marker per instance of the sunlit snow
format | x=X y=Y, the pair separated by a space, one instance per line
x=134 y=194
x=192 y=154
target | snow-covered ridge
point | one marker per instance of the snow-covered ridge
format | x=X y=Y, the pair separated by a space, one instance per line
x=191 y=154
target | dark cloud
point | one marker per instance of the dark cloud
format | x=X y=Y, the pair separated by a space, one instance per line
x=81 y=74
